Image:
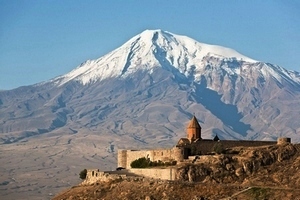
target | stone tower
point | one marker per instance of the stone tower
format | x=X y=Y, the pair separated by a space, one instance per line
x=193 y=130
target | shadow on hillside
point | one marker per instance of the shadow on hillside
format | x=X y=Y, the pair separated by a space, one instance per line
x=227 y=113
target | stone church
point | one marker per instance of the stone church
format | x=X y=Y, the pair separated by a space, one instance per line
x=192 y=145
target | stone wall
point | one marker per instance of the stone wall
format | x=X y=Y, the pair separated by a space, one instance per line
x=122 y=158
x=206 y=146
x=163 y=174
x=94 y=175
x=125 y=157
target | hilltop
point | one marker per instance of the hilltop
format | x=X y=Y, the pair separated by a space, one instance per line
x=269 y=172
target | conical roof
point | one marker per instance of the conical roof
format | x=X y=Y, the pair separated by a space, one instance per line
x=194 y=123
x=216 y=138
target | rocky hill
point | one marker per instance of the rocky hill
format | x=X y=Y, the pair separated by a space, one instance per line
x=269 y=172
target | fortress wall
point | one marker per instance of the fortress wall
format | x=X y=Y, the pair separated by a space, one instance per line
x=232 y=143
x=163 y=174
x=164 y=155
x=133 y=155
x=178 y=154
x=206 y=146
x=122 y=158
x=94 y=175
x=125 y=157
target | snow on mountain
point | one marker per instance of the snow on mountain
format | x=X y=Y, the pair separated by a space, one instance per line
x=150 y=49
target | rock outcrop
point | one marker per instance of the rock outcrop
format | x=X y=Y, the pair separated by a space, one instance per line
x=228 y=168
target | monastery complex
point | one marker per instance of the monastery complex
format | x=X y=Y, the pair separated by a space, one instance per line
x=186 y=150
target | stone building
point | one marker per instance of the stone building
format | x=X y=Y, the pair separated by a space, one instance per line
x=192 y=145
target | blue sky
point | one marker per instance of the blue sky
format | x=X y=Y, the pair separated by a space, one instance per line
x=40 y=40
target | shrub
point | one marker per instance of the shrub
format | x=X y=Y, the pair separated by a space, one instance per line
x=140 y=163
x=260 y=193
x=145 y=162
x=82 y=174
x=154 y=164
x=218 y=148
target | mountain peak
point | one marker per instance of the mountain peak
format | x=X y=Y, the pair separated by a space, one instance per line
x=153 y=35
x=149 y=33
x=165 y=38
x=147 y=50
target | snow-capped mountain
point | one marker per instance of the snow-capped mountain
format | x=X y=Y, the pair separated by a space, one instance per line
x=140 y=95
x=204 y=73
x=254 y=94
x=146 y=51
